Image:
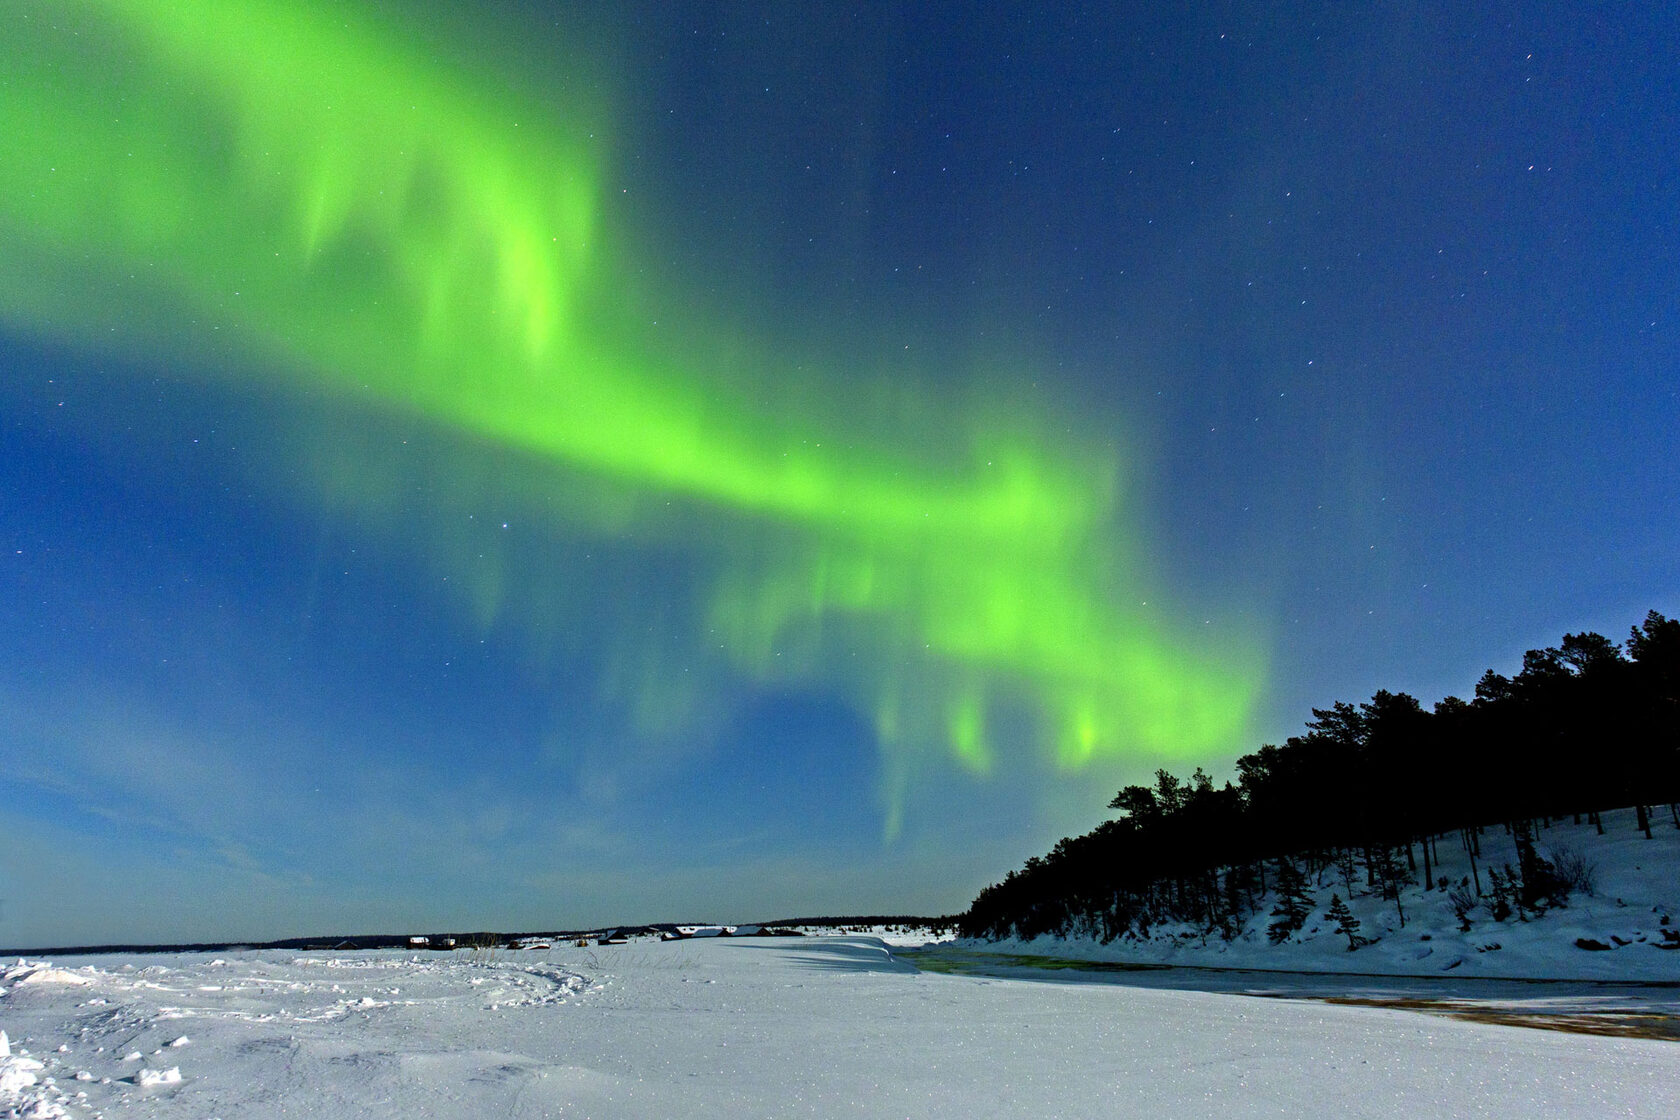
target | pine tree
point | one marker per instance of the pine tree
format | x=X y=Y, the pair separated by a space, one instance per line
x=1294 y=903
x=1462 y=902
x=1345 y=867
x=1539 y=881
x=1503 y=893
x=1390 y=876
x=1346 y=923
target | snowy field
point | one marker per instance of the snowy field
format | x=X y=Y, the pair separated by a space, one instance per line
x=829 y=1026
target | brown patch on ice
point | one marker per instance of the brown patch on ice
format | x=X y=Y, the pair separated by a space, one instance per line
x=1616 y=1024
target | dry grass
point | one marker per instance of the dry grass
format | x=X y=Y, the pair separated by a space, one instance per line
x=1616 y=1024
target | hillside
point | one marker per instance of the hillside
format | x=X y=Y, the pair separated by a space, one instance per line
x=1626 y=899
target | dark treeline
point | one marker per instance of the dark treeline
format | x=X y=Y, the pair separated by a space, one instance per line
x=1372 y=790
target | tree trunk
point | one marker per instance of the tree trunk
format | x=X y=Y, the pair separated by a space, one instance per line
x=1391 y=864
x=1428 y=881
x=1474 y=874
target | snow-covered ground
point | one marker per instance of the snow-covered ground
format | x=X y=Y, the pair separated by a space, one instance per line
x=892 y=936
x=1633 y=913
x=819 y=1026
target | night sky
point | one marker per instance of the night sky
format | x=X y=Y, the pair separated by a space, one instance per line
x=498 y=465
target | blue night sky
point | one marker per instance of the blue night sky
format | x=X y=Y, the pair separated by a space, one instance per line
x=507 y=466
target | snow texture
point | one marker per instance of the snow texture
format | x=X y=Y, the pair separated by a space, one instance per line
x=731 y=1027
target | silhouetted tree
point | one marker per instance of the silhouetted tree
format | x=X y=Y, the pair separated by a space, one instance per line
x=1294 y=902
x=1390 y=876
x=1346 y=923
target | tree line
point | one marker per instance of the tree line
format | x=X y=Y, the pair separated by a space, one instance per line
x=1372 y=790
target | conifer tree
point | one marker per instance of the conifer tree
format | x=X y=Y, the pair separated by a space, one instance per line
x=1293 y=905
x=1503 y=893
x=1346 y=923
x=1345 y=867
x=1390 y=875
x=1540 y=882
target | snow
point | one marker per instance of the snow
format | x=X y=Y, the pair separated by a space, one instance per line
x=149 y=1078
x=895 y=936
x=1634 y=911
x=812 y=1026
x=17 y=1071
x=26 y=973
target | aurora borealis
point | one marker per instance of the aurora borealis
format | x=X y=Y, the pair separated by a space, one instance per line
x=566 y=494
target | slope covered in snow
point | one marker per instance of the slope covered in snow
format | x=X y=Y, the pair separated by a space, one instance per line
x=1626 y=928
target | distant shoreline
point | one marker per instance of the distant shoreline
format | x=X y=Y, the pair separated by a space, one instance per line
x=457 y=940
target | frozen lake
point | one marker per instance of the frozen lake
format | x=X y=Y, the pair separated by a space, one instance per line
x=829 y=1026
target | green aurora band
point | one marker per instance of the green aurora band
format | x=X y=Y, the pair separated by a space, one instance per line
x=290 y=187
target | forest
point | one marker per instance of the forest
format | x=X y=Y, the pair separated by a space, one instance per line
x=1372 y=790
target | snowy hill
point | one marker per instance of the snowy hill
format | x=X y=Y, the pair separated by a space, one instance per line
x=1626 y=928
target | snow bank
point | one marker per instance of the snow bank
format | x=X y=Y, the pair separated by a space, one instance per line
x=25 y=973
x=18 y=1075
x=52 y=976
